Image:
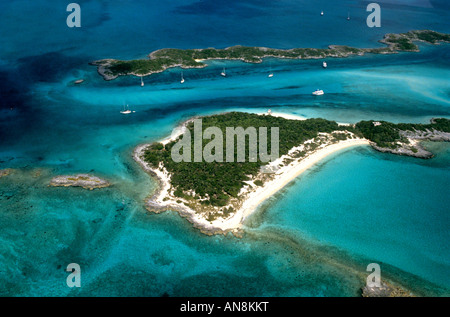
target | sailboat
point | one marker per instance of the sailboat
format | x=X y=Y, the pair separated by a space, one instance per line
x=271 y=73
x=142 y=81
x=223 y=73
x=348 y=16
x=321 y=13
x=182 y=78
x=127 y=111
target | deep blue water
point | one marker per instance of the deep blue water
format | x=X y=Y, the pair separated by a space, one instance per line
x=313 y=239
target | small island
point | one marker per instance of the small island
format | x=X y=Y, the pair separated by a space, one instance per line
x=160 y=60
x=85 y=181
x=218 y=196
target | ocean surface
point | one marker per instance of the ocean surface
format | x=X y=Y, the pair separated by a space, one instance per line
x=315 y=238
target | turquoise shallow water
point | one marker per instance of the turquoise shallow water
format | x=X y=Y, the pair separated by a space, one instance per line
x=313 y=239
x=353 y=200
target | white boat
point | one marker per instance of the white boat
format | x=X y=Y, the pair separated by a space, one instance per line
x=324 y=65
x=318 y=92
x=271 y=73
x=142 y=81
x=223 y=73
x=348 y=16
x=182 y=78
x=321 y=13
x=127 y=111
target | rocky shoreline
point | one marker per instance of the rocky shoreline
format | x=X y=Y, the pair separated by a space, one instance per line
x=414 y=147
x=85 y=181
x=104 y=64
x=102 y=68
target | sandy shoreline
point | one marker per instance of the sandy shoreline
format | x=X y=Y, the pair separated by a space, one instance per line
x=285 y=176
x=162 y=200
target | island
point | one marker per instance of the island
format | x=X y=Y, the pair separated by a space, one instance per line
x=216 y=197
x=160 y=60
x=85 y=181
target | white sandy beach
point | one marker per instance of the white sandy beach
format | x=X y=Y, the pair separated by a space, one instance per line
x=253 y=198
x=285 y=115
x=283 y=177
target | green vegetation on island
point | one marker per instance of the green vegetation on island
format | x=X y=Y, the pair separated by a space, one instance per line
x=213 y=184
x=163 y=59
x=390 y=135
x=216 y=182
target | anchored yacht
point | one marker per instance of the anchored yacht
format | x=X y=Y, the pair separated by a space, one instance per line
x=318 y=92
x=125 y=111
